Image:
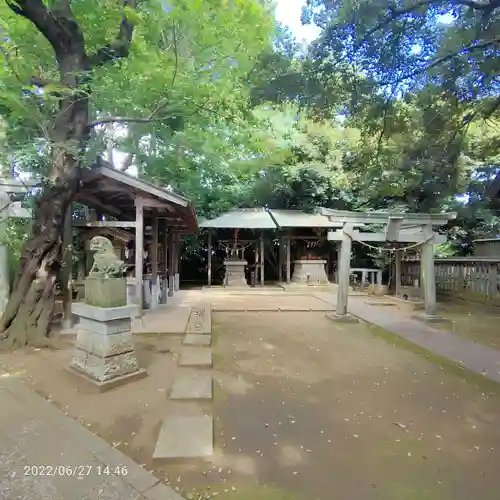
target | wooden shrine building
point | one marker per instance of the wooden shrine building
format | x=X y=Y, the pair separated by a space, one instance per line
x=246 y=234
x=387 y=231
x=133 y=213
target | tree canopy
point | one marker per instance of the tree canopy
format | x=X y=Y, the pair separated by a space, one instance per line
x=396 y=105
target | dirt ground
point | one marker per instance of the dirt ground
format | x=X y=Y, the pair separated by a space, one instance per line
x=310 y=409
x=305 y=409
x=474 y=321
x=128 y=417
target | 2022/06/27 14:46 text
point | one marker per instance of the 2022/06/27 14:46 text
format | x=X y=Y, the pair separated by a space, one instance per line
x=75 y=470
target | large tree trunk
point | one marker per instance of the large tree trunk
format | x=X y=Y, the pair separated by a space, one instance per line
x=29 y=312
x=30 y=309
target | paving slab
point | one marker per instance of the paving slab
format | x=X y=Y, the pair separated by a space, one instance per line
x=262 y=308
x=197 y=339
x=196 y=356
x=231 y=309
x=161 y=492
x=192 y=386
x=46 y=455
x=324 y=308
x=295 y=308
x=185 y=437
x=476 y=357
x=164 y=320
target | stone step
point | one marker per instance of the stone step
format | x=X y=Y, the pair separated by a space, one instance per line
x=196 y=356
x=197 y=339
x=185 y=437
x=192 y=386
x=200 y=319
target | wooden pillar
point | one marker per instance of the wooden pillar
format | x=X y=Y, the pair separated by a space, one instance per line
x=280 y=260
x=344 y=270
x=171 y=259
x=154 y=262
x=328 y=261
x=397 y=261
x=262 y=259
x=92 y=217
x=139 y=260
x=164 y=241
x=209 y=257
x=67 y=274
x=288 y=259
x=177 y=243
x=257 y=262
x=427 y=262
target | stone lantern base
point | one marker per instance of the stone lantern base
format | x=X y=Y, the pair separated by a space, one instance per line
x=104 y=353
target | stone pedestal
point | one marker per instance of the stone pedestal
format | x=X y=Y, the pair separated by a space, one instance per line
x=106 y=292
x=309 y=272
x=104 y=353
x=235 y=273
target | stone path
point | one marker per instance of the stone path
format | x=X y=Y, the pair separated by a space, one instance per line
x=46 y=455
x=185 y=437
x=476 y=357
x=196 y=356
x=184 y=434
x=197 y=339
x=280 y=301
x=192 y=386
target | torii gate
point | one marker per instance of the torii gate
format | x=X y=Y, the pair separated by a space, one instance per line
x=9 y=207
x=416 y=230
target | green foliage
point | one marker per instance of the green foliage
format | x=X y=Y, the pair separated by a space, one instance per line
x=386 y=110
x=15 y=236
x=186 y=61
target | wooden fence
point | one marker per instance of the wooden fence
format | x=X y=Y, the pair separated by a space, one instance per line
x=471 y=278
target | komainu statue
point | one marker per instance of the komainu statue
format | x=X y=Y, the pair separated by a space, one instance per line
x=106 y=263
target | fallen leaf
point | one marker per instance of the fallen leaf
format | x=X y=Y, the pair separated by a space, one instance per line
x=399 y=424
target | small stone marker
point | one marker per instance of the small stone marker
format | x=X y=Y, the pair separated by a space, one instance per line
x=185 y=437
x=200 y=320
x=192 y=386
x=197 y=339
x=196 y=356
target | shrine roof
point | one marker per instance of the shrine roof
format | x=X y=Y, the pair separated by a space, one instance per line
x=242 y=218
x=115 y=193
x=264 y=218
x=298 y=218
